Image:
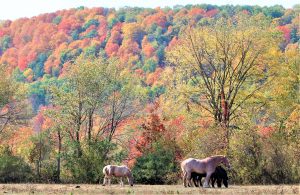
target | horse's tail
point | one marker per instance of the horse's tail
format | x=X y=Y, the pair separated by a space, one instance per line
x=182 y=166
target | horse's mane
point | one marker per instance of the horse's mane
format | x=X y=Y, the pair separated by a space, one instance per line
x=216 y=156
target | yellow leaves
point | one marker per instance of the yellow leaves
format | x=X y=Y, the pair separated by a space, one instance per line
x=132 y=31
x=28 y=73
x=294 y=118
x=167 y=75
x=274 y=52
x=111 y=16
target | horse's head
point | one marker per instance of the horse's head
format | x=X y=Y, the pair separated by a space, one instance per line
x=131 y=182
x=130 y=179
x=225 y=178
x=225 y=182
x=226 y=162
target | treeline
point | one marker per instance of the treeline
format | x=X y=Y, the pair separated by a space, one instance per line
x=83 y=88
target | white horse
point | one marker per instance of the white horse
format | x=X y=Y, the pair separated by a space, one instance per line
x=202 y=166
x=117 y=171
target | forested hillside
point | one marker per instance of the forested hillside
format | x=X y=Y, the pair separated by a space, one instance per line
x=84 y=87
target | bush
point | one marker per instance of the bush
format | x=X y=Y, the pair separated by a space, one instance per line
x=88 y=167
x=156 y=167
x=13 y=169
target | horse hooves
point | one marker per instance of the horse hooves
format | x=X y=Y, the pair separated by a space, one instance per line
x=206 y=186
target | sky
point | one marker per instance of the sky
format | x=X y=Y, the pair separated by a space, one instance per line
x=13 y=9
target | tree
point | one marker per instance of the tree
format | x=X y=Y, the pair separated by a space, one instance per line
x=13 y=109
x=95 y=89
x=220 y=66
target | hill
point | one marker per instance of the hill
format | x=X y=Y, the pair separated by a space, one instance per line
x=88 y=86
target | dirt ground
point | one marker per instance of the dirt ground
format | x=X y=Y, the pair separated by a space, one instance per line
x=73 y=189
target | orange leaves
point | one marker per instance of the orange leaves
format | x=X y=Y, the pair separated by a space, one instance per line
x=25 y=57
x=265 y=131
x=196 y=11
x=66 y=25
x=20 y=139
x=128 y=48
x=172 y=43
x=10 y=57
x=152 y=78
x=114 y=41
x=38 y=122
x=148 y=49
x=211 y=13
x=115 y=37
x=158 y=18
x=111 y=49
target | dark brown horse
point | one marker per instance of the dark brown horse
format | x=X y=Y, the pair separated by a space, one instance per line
x=202 y=166
x=220 y=175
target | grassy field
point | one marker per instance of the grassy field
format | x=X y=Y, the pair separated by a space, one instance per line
x=143 y=189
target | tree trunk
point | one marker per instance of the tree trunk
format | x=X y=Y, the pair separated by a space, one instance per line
x=57 y=179
x=90 y=124
x=78 y=126
x=39 y=159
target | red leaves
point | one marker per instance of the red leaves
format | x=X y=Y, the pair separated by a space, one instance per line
x=196 y=11
x=149 y=50
x=286 y=32
x=152 y=129
x=38 y=122
x=265 y=131
x=172 y=43
x=66 y=25
x=111 y=49
x=159 y=19
x=211 y=13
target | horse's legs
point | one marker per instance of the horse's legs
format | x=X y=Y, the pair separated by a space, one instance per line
x=109 y=181
x=184 y=178
x=219 y=182
x=200 y=181
x=188 y=178
x=213 y=180
x=195 y=181
x=104 y=181
x=128 y=181
x=206 y=182
x=121 y=180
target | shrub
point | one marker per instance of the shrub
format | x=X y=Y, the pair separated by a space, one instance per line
x=13 y=168
x=155 y=167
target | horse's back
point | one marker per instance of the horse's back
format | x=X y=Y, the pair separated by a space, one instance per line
x=186 y=162
x=115 y=170
x=193 y=165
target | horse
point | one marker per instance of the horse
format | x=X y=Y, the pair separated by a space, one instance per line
x=220 y=175
x=117 y=171
x=202 y=166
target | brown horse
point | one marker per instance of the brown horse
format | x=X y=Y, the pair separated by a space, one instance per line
x=220 y=175
x=202 y=166
x=117 y=171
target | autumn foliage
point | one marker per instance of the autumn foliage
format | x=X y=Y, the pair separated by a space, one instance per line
x=100 y=85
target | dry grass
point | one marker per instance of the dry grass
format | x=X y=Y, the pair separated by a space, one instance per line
x=143 y=189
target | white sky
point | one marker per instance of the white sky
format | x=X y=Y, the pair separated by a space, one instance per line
x=13 y=9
